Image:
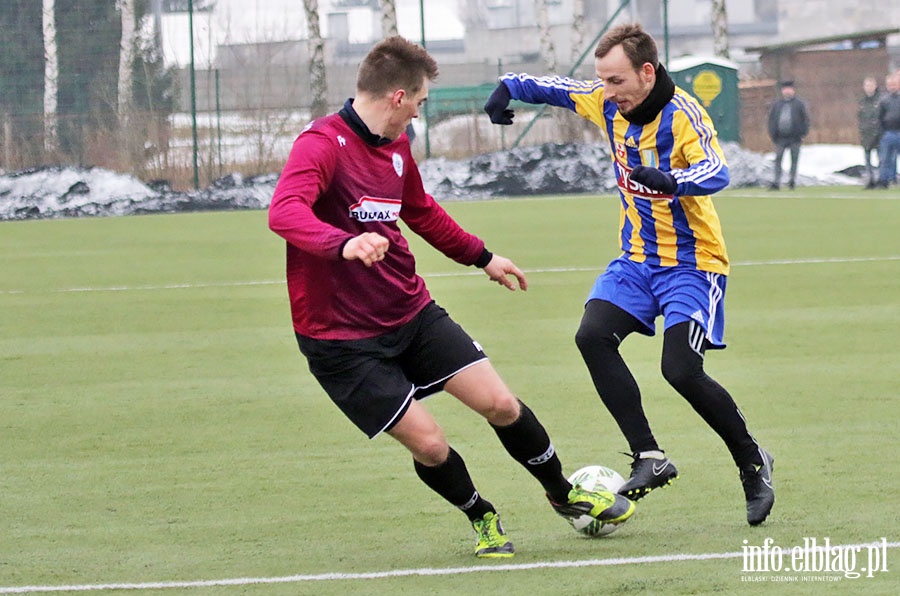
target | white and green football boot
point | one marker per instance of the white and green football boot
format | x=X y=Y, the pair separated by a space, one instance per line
x=602 y=505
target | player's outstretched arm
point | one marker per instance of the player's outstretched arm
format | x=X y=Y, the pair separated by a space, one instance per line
x=497 y=106
x=499 y=270
x=368 y=248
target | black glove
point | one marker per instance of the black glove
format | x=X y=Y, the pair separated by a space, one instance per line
x=655 y=179
x=497 y=105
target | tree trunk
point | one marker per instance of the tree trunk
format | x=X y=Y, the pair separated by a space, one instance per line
x=317 y=83
x=570 y=125
x=548 y=54
x=473 y=14
x=577 y=29
x=719 y=18
x=389 y=18
x=548 y=51
x=126 y=60
x=51 y=77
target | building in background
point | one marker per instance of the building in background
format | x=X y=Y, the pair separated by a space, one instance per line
x=485 y=34
x=250 y=80
x=827 y=72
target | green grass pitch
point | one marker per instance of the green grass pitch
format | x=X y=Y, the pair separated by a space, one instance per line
x=158 y=424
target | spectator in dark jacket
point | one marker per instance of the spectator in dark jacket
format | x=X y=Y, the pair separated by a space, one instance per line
x=788 y=124
x=889 y=118
x=869 y=126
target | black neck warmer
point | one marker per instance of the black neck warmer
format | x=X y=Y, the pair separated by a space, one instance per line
x=359 y=127
x=660 y=95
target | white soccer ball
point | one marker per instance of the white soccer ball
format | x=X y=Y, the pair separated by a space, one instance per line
x=595 y=478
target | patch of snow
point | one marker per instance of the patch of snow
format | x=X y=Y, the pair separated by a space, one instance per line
x=551 y=168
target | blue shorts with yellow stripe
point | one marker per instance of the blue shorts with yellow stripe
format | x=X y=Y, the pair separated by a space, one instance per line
x=678 y=293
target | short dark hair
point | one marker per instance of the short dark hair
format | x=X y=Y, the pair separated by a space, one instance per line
x=395 y=63
x=637 y=44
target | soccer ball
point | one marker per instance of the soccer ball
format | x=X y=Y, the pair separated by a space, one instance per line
x=595 y=478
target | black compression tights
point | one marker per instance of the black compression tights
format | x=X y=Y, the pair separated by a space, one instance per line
x=604 y=326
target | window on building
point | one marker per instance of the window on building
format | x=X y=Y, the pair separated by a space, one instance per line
x=766 y=10
x=596 y=10
x=649 y=13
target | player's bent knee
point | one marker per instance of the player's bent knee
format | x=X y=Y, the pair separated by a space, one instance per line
x=585 y=336
x=500 y=408
x=682 y=374
x=593 y=337
x=430 y=451
x=506 y=410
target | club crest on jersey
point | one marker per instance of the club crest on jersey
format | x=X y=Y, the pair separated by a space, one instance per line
x=373 y=209
x=621 y=153
x=398 y=163
x=636 y=189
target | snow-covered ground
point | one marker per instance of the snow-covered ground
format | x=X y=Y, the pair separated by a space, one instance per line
x=821 y=160
x=543 y=169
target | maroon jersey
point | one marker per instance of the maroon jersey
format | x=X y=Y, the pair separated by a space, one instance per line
x=340 y=181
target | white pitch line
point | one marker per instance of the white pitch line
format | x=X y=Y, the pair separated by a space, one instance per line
x=822 y=196
x=817 y=261
x=425 y=571
x=461 y=273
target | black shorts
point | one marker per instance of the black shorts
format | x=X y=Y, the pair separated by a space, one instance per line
x=373 y=380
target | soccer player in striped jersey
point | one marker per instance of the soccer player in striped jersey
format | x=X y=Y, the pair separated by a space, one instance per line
x=668 y=164
x=372 y=335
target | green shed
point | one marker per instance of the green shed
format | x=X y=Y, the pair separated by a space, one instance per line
x=714 y=82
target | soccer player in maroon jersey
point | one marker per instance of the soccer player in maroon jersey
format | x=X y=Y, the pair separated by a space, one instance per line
x=367 y=325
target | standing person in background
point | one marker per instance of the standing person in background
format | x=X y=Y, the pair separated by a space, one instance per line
x=889 y=119
x=372 y=335
x=869 y=127
x=788 y=124
x=667 y=162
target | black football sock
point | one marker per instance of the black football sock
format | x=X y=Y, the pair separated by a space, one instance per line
x=528 y=443
x=451 y=480
x=682 y=366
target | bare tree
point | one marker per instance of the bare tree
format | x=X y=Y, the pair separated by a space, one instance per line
x=317 y=83
x=719 y=18
x=548 y=51
x=126 y=60
x=51 y=77
x=388 y=18
x=577 y=29
x=473 y=14
x=570 y=126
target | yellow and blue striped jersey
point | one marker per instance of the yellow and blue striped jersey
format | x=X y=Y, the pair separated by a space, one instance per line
x=654 y=228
